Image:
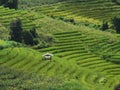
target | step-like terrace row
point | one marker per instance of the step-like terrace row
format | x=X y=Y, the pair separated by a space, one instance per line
x=7 y=15
x=90 y=9
x=29 y=60
x=77 y=47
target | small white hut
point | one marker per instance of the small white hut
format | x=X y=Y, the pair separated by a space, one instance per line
x=47 y=56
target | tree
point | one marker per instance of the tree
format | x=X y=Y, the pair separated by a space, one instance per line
x=114 y=0
x=105 y=26
x=116 y=23
x=12 y=4
x=33 y=32
x=16 y=30
x=28 y=38
x=2 y=2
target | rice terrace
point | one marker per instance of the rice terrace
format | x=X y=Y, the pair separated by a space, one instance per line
x=59 y=44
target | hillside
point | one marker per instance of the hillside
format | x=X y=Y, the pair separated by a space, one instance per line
x=84 y=58
x=11 y=79
x=87 y=11
x=23 y=4
x=75 y=58
x=16 y=59
x=7 y=15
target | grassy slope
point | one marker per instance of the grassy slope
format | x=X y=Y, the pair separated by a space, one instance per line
x=92 y=11
x=7 y=15
x=23 y=4
x=11 y=79
x=88 y=49
x=16 y=59
x=75 y=58
x=3 y=32
x=30 y=19
x=78 y=55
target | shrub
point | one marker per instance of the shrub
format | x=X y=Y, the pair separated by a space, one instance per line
x=1 y=47
x=28 y=38
x=9 y=3
x=116 y=23
x=16 y=30
x=33 y=32
x=116 y=1
x=45 y=40
x=105 y=26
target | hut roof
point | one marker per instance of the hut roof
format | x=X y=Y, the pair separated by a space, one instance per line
x=47 y=54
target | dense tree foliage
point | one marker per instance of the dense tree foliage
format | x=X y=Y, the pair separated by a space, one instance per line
x=16 y=30
x=17 y=34
x=116 y=1
x=105 y=26
x=116 y=23
x=30 y=37
x=33 y=32
x=9 y=3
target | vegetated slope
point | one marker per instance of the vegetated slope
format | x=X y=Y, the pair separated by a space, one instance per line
x=4 y=34
x=7 y=15
x=92 y=11
x=96 y=51
x=78 y=56
x=24 y=4
x=29 y=60
x=11 y=79
x=29 y=19
x=6 y=44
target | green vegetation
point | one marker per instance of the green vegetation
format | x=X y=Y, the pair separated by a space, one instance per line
x=18 y=80
x=16 y=30
x=87 y=12
x=16 y=59
x=9 y=3
x=24 y=4
x=116 y=22
x=28 y=22
x=7 y=44
x=7 y=15
x=84 y=58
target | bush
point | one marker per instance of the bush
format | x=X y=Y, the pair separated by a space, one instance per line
x=12 y=4
x=28 y=38
x=106 y=57
x=33 y=32
x=1 y=47
x=16 y=30
x=45 y=40
x=105 y=26
x=116 y=1
x=69 y=20
x=116 y=23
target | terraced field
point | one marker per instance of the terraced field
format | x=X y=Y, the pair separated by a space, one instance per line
x=74 y=59
x=93 y=11
x=34 y=64
x=82 y=55
x=11 y=79
x=88 y=52
x=23 y=4
x=7 y=15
